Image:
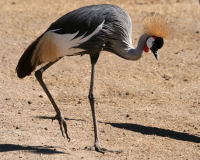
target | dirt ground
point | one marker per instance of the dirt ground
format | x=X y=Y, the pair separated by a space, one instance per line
x=148 y=109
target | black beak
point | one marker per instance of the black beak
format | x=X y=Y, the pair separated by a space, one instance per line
x=155 y=52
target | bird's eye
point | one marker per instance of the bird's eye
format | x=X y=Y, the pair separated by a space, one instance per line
x=150 y=42
x=158 y=42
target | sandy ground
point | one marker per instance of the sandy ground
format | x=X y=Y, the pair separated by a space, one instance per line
x=148 y=109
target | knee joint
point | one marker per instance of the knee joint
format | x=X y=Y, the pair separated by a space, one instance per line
x=91 y=97
x=38 y=74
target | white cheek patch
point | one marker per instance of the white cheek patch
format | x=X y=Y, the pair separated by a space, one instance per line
x=150 y=42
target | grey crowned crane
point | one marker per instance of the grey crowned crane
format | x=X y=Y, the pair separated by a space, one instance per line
x=89 y=30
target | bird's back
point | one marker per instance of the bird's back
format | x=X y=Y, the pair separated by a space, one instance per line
x=116 y=27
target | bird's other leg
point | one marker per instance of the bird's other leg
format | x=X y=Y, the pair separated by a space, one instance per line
x=61 y=120
x=92 y=104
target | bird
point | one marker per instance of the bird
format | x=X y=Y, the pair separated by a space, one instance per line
x=88 y=31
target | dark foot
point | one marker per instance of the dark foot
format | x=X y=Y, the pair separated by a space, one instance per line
x=102 y=150
x=62 y=124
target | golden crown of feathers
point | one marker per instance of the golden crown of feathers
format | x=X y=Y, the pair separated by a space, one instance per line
x=157 y=26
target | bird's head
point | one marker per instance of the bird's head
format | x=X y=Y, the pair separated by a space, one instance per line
x=156 y=29
x=154 y=44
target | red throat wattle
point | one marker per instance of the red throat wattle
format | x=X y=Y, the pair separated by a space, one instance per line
x=146 y=49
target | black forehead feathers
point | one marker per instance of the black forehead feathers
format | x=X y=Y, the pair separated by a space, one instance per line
x=158 y=43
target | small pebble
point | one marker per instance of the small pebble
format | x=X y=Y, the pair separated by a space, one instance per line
x=79 y=101
x=85 y=148
x=185 y=79
x=41 y=96
x=166 y=77
x=127 y=115
x=46 y=128
x=176 y=53
x=17 y=127
x=29 y=102
x=127 y=93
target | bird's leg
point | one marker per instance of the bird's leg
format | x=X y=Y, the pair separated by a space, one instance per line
x=92 y=102
x=61 y=120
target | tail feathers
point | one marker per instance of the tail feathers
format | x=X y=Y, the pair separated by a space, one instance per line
x=25 y=67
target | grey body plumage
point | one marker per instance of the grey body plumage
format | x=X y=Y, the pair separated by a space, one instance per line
x=114 y=37
x=87 y=30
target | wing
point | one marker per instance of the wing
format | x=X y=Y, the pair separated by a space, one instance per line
x=94 y=26
x=83 y=20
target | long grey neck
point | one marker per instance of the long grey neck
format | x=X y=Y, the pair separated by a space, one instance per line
x=134 y=54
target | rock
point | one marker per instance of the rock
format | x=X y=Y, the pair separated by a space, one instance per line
x=79 y=101
x=185 y=79
x=166 y=77
x=127 y=93
x=29 y=102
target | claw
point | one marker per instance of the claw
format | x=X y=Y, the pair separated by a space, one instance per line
x=62 y=124
x=61 y=127
x=102 y=150
x=65 y=128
